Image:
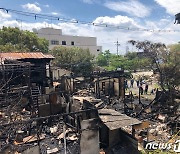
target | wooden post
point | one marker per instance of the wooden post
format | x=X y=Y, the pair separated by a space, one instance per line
x=133 y=132
x=139 y=96
x=64 y=134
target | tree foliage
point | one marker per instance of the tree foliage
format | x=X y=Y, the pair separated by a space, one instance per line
x=129 y=62
x=77 y=60
x=103 y=58
x=131 y=55
x=172 y=66
x=166 y=60
x=14 y=39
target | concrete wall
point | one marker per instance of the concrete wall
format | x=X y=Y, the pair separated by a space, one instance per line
x=114 y=137
x=58 y=72
x=119 y=87
x=47 y=31
x=46 y=109
x=116 y=86
x=89 y=142
x=79 y=41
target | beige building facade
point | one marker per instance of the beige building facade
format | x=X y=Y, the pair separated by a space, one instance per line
x=56 y=38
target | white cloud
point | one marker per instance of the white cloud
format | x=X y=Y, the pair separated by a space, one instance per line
x=4 y=15
x=23 y=25
x=32 y=7
x=151 y=25
x=118 y=20
x=36 y=3
x=46 y=5
x=132 y=7
x=92 y=1
x=54 y=13
x=107 y=36
x=171 y=6
x=89 y=1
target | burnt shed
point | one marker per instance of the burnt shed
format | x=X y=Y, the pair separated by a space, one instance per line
x=35 y=64
x=112 y=135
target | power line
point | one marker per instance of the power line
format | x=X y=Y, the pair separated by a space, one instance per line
x=43 y=16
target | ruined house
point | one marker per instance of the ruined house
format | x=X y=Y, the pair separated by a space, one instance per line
x=36 y=64
x=110 y=83
x=24 y=74
x=80 y=106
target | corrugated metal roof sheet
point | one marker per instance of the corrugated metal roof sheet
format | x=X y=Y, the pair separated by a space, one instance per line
x=25 y=55
x=115 y=120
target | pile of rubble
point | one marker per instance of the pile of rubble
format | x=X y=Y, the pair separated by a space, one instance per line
x=85 y=122
x=50 y=139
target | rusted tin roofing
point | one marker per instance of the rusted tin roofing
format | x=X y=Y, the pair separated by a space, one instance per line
x=25 y=55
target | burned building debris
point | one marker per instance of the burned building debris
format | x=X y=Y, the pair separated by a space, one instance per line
x=109 y=83
x=73 y=114
x=112 y=133
x=27 y=73
x=38 y=62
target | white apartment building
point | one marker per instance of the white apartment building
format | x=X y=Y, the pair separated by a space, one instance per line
x=56 y=38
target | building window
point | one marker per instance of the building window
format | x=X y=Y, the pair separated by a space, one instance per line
x=72 y=43
x=54 y=42
x=98 y=50
x=63 y=42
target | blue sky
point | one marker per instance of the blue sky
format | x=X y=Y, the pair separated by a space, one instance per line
x=144 y=14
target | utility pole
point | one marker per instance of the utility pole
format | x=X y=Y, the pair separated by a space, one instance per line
x=127 y=49
x=117 y=45
x=20 y=21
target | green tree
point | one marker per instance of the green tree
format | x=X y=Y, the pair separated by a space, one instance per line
x=175 y=47
x=131 y=55
x=77 y=60
x=166 y=60
x=14 y=39
x=118 y=61
x=130 y=61
x=172 y=66
x=103 y=58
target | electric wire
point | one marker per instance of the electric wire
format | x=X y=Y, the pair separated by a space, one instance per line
x=55 y=18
